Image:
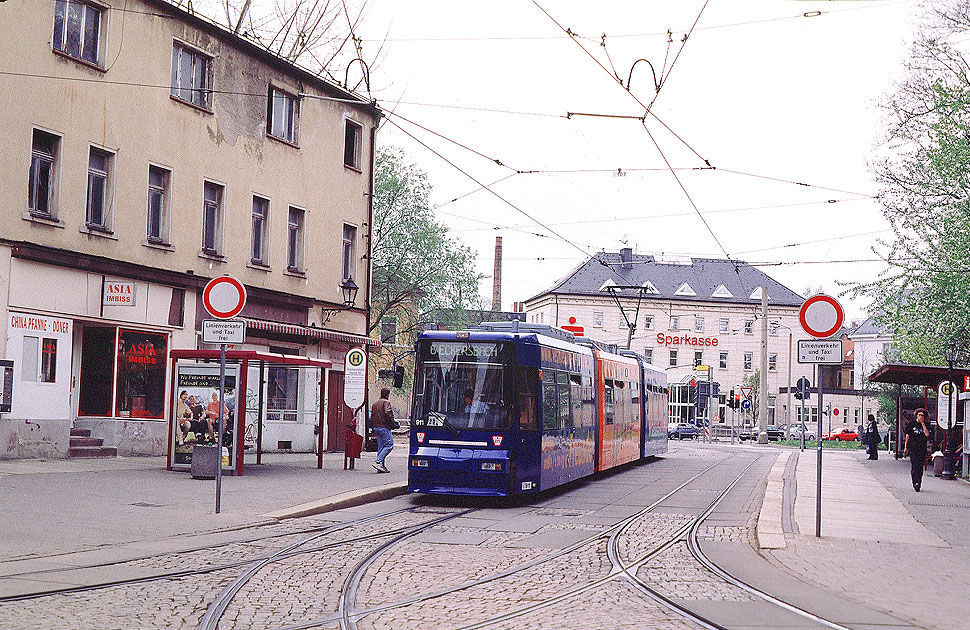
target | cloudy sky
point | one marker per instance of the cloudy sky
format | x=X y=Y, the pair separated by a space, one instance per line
x=773 y=94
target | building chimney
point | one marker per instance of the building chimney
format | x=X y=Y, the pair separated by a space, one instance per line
x=626 y=257
x=497 y=277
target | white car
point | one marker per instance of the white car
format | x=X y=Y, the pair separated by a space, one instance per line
x=795 y=433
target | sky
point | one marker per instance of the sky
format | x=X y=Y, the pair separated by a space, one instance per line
x=773 y=95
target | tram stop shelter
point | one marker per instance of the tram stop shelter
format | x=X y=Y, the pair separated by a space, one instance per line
x=927 y=377
x=198 y=371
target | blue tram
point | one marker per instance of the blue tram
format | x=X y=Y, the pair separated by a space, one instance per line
x=510 y=408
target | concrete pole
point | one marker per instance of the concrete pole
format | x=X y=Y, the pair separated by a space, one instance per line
x=763 y=384
x=788 y=404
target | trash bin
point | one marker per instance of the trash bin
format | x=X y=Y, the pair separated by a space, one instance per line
x=205 y=460
x=352 y=447
x=938 y=464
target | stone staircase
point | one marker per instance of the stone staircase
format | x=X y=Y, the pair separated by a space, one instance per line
x=83 y=445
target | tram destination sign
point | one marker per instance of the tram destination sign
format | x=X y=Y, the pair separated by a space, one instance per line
x=828 y=352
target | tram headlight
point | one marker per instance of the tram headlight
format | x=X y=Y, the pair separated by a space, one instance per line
x=419 y=463
x=492 y=466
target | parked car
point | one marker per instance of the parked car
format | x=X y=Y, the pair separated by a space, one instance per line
x=775 y=433
x=795 y=433
x=844 y=435
x=682 y=430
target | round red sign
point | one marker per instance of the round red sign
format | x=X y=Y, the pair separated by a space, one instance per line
x=821 y=316
x=224 y=297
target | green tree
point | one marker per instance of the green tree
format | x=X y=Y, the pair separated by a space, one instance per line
x=925 y=193
x=417 y=268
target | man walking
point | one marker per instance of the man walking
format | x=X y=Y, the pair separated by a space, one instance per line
x=382 y=421
x=917 y=435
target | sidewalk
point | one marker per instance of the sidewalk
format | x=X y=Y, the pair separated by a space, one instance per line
x=883 y=545
x=123 y=507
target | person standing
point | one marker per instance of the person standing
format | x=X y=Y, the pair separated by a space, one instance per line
x=382 y=421
x=917 y=435
x=872 y=438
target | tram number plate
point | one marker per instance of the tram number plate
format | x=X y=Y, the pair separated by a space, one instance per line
x=527 y=485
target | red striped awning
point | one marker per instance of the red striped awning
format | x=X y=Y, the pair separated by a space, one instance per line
x=311 y=332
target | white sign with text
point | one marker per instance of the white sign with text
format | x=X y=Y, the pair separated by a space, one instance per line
x=821 y=352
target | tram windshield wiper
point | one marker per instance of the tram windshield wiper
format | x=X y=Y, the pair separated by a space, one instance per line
x=447 y=425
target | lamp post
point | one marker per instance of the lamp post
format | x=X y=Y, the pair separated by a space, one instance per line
x=948 y=450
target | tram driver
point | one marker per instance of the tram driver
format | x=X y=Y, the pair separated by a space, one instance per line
x=477 y=410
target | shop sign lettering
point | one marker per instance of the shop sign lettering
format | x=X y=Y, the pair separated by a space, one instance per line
x=687 y=340
x=143 y=353
x=39 y=324
x=119 y=293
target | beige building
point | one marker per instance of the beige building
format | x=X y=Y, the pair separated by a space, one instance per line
x=146 y=152
x=705 y=312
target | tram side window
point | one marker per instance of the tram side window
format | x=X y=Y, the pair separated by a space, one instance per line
x=609 y=401
x=577 y=400
x=565 y=412
x=528 y=398
x=550 y=402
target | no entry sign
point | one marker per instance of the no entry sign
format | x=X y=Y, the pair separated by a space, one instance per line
x=821 y=316
x=224 y=297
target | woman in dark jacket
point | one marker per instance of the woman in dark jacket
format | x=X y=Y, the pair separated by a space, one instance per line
x=871 y=438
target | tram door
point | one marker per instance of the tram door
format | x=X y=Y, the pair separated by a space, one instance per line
x=339 y=415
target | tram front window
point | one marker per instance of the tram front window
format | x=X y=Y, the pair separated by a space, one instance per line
x=464 y=385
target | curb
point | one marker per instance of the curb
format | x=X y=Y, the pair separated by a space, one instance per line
x=340 y=501
x=770 y=532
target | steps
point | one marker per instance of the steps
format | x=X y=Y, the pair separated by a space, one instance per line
x=83 y=445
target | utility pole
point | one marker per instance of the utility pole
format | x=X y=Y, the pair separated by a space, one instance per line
x=763 y=381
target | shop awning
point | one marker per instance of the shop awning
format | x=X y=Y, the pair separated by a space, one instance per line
x=311 y=332
x=924 y=375
x=252 y=355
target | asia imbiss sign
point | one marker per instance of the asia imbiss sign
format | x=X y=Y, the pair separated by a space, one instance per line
x=118 y=293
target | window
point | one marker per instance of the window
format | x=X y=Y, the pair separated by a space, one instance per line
x=158 y=204
x=353 y=134
x=212 y=218
x=748 y=359
x=389 y=330
x=39 y=360
x=260 y=222
x=191 y=76
x=749 y=327
x=772 y=362
x=283 y=116
x=99 y=166
x=598 y=319
x=140 y=390
x=699 y=324
x=648 y=355
x=724 y=326
x=282 y=400
x=673 y=358
x=648 y=322
x=722 y=362
x=349 y=267
x=77 y=30
x=773 y=328
x=698 y=358
x=40 y=183
x=294 y=240
x=675 y=323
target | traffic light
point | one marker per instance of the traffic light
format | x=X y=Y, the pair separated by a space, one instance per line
x=730 y=400
x=798 y=394
x=398 y=376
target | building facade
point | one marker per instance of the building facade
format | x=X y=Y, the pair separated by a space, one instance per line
x=148 y=151
x=705 y=312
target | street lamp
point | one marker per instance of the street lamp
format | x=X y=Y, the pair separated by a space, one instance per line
x=948 y=450
x=349 y=290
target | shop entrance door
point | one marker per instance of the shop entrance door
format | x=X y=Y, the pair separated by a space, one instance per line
x=339 y=415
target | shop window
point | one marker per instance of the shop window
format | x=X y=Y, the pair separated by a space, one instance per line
x=97 y=371
x=353 y=134
x=77 y=30
x=282 y=400
x=140 y=389
x=39 y=363
x=40 y=184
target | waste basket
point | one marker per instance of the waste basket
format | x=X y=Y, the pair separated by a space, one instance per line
x=937 y=464
x=205 y=459
x=352 y=447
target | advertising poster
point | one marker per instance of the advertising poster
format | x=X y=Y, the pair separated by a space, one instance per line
x=196 y=411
